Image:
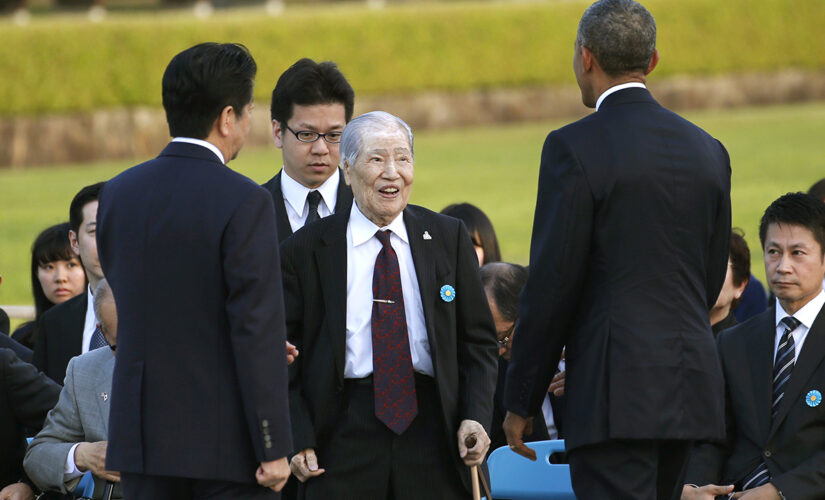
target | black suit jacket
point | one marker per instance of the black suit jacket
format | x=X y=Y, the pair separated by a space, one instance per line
x=793 y=444
x=461 y=333
x=628 y=254
x=26 y=396
x=19 y=349
x=60 y=336
x=343 y=202
x=200 y=382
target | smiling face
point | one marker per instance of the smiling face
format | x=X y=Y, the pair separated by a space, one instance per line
x=382 y=175
x=310 y=163
x=794 y=265
x=61 y=279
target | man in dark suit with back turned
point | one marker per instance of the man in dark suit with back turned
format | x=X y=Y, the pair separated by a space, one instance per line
x=311 y=104
x=398 y=347
x=199 y=402
x=774 y=368
x=628 y=254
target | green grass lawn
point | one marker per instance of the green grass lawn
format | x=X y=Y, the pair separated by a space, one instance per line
x=773 y=150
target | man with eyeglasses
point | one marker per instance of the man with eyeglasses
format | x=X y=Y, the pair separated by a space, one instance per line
x=311 y=104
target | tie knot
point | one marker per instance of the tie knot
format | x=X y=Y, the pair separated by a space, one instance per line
x=790 y=323
x=384 y=237
x=313 y=198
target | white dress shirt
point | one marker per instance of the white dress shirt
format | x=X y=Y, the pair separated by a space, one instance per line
x=91 y=322
x=806 y=317
x=201 y=142
x=295 y=194
x=617 y=88
x=362 y=250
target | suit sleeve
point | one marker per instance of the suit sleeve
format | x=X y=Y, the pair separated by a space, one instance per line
x=40 y=346
x=806 y=481
x=303 y=431
x=255 y=309
x=707 y=458
x=559 y=252
x=46 y=456
x=477 y=347
x=720 y=239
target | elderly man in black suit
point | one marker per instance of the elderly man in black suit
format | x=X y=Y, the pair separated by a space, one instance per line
x=628 y=254
x=774 y=367
x=311 y=104
x=199 y=405
x=398 y=348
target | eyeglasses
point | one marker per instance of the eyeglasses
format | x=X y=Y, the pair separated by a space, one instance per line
x=508 y=333
x=333 y=137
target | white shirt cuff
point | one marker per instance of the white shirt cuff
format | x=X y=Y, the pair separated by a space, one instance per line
x=70 y=470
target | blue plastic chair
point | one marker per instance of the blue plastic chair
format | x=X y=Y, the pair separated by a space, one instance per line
x=515 y=477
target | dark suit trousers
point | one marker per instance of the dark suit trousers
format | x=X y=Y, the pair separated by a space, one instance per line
x=139 y=486
x=632 y=469
x=364 y=460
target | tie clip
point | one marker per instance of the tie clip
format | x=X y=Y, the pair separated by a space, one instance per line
x=384 y=301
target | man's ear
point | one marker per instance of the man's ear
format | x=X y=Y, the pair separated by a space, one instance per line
x=345 y=168
x=277 y=134
x=654 y=60
x=73 y=242
x=226 y=121
x=587 y=59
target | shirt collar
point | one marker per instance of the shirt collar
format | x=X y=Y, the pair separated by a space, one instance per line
x=617 y=88
x=807 y=314
x=296 y=193
x=363 y=229
x=206 y=144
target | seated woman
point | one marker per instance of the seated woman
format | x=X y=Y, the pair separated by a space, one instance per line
x=56 y=275
x=480 y=228
x=736 y=279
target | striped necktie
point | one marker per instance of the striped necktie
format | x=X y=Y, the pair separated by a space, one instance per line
x=782 y=369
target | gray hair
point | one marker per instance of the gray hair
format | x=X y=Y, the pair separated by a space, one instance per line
x=102 y=293
x=374 y=121
x=620 y=33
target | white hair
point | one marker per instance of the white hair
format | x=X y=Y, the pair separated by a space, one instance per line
x=373 y=122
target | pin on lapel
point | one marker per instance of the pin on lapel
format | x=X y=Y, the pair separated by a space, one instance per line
x=813 y=398
x=447 y=293
x=427 y=235
x=104 y=396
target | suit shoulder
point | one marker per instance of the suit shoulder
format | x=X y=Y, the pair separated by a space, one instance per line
x=91 y=361
x=425 y=215
x=311 y=235
x=745 y=331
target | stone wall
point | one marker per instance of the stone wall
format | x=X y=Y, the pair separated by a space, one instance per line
x=141 y=132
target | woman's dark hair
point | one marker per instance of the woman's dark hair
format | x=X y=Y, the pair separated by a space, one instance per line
x=740 y=260
x=480 y=229
x=50 y=245
x=503 y=283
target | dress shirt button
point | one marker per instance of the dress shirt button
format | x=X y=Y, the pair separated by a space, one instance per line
x=265 y=423
x=767 y=453
x=268 y=445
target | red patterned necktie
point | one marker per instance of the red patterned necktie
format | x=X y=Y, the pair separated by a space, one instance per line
x=392 y=369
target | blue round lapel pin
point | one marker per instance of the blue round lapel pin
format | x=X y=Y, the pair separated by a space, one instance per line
x=813 y=398
x=447 y=293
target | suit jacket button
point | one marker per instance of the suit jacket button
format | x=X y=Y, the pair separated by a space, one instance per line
x=767 y=453
x=268 y=445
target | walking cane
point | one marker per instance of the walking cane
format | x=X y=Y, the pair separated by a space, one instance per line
x=469 y=443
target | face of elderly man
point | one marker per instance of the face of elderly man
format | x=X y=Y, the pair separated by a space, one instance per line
x=382 y=174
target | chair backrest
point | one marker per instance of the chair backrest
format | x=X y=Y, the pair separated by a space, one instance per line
x=515 y=477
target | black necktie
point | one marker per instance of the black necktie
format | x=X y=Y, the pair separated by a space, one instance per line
x=313 y=199
x=782 y=369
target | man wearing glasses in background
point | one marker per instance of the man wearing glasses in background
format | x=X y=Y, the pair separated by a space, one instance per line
x=311 y=104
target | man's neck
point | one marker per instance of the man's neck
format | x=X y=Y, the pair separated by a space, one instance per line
x=718 y=314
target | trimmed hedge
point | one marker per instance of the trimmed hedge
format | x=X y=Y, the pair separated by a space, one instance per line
x=69 y=64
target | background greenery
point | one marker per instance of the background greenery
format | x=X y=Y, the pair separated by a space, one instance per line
x=66 y=63
x=773 y=150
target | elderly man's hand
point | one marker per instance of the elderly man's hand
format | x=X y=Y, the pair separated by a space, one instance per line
x=706 y=492
x=92 y=456
x=473 y=442
x=291 y=353
x=273 y=474
x=515 y=427
x=557 y=384
x=305 y=465
x=17 y=491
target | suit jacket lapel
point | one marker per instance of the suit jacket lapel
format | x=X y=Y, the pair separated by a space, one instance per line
x=103 y=392
x=422 y=253
x=332 y=270
x=760 y=354
x=282 y=219
x=810 y=357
